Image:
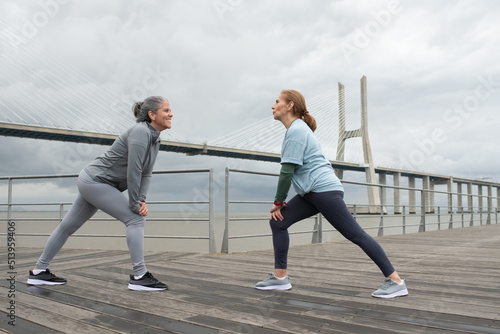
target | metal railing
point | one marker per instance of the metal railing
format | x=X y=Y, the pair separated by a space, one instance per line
x=10 y=205
x=418 y=217
x=226 y=237
x=427 y=216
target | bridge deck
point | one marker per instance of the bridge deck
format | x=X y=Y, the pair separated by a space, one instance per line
x=452 y=275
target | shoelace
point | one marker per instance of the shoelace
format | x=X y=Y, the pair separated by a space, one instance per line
x=51 y=275
x=150 y=277
x=386 y=285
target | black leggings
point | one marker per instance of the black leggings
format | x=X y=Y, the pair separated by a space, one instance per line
x=332 y=206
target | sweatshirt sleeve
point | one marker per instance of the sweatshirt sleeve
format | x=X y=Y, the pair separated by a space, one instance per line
x=137 y=150
x=284 y=182
x=143 y=190
x=146 y=176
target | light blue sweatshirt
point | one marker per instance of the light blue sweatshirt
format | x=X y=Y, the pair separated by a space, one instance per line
x=313 y=172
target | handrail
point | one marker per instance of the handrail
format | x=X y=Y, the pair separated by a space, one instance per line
x=419 y=214
x=209 y=202
x=426 y=213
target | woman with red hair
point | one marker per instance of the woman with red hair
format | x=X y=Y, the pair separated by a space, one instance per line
x=318 y=191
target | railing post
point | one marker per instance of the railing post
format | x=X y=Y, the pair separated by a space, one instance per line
x=61 y=211
x=422 y=213
x=211 y=233
x=439 y=218
x=225 y=238
x=315 y=235
x=404 y=219
x=498 y=200
x=490 y=204
x=381 y=224
x=450 y=194
x=480 y=203
x=411 y=195
x=320 y=228
x=450 y=225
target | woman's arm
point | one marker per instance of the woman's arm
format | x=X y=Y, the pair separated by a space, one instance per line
x=138 y=141
x=284 y=183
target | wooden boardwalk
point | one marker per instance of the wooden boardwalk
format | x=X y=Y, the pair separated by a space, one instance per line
x=453 y=277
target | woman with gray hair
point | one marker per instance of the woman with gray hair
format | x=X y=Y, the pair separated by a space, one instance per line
x=127 y=165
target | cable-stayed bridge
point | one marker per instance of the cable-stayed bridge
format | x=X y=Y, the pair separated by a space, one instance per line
x=64 y=104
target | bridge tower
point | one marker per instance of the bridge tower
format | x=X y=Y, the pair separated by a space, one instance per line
x=374 y=191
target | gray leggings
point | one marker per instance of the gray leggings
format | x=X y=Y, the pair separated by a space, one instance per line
x=93 y=196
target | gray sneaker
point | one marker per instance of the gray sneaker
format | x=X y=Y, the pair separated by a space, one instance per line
x=391 y=289
x=274 y=283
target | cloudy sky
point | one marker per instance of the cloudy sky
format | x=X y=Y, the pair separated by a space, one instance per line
x=432 y=67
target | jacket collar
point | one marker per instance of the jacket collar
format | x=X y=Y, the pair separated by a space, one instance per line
x=155 y=133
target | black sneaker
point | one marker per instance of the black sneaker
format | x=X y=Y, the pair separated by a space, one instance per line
x=45 y=278
x=146 y=283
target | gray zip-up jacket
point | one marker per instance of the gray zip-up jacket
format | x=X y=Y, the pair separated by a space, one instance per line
x=129 y=163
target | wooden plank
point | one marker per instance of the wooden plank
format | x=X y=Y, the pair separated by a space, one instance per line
x=103 y=314
x=23 y=326
x=42 y=316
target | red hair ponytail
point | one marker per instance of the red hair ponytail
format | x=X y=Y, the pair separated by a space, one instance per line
x=299 y=107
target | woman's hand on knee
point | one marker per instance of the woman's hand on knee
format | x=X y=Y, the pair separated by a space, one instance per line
x=143 y=210
x=276 y=212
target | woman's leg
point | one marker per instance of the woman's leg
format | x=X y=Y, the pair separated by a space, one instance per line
x=296 y=209
x=110 y=200
x=331 y=204
x=78 y=214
